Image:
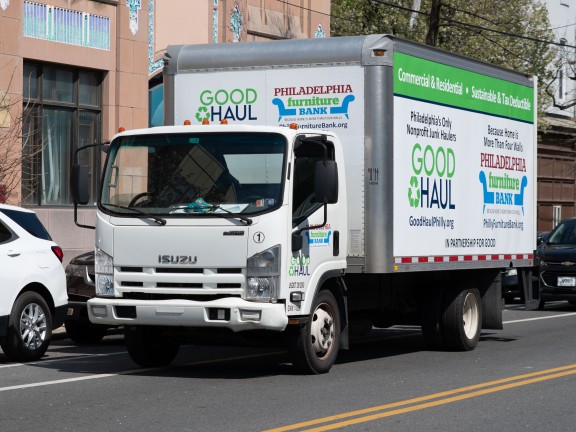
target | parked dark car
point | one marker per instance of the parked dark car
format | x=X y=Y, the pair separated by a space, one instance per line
x=541 y=236
x=557 y=260
x=80 y=287
x=511 y=287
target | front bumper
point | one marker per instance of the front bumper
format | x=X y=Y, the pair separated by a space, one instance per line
x=232 y=313
x=549 y=281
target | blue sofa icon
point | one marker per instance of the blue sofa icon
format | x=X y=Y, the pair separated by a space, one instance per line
x=489 y=197
x=343 y=109
x=282 y=110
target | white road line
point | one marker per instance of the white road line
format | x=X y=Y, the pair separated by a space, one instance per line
x=132 y=371
x=60 y=359
x=540 y=318
x=63 y=381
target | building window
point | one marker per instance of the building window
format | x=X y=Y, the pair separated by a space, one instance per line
x=556 y=215
x=63 y=110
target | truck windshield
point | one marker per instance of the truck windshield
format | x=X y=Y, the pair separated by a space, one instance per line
x=194 y=174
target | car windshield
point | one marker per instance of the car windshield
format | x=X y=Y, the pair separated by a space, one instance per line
x=564 y=234
x=194 y=174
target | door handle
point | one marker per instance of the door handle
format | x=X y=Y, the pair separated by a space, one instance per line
x=13 y=253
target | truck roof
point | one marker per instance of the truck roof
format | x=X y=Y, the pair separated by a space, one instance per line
x=315 y=52
x=216 y=128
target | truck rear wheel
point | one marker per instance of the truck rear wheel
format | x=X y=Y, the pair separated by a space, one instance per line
x=147 y=346
x=462 y=319
x=29 y=328
x=314 y=346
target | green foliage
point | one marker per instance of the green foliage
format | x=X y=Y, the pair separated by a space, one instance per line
x=462 y=30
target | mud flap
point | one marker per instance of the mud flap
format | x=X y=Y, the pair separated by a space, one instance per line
x=529 y=280
x=492 y=304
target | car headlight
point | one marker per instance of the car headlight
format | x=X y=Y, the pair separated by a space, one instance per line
x=104 y=269
x=263 y=274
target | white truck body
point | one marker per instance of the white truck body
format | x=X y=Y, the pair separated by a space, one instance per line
x=436 y=194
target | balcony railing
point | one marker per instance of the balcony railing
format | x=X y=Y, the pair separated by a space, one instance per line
x=67 y=26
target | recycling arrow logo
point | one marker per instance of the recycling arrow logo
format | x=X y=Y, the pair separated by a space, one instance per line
x=202 y=114
x=414 y=192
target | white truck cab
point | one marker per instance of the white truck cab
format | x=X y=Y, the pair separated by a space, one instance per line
x=216 y=226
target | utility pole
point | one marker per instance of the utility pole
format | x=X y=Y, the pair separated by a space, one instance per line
x=434 y=23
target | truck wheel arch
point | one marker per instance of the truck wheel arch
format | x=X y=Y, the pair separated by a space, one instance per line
x=334 y=282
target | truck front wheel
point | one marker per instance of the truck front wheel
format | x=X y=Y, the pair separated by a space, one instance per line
x=314 y=346
x=462 y=319
x=148 y=347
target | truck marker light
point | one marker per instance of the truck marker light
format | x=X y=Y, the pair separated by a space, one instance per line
x=187 y=123
x=223 y=121
x=121 y=129
x=293 y=126
x=205 y=122
x=378 y=53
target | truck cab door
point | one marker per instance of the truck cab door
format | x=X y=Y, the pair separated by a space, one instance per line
x=311 y=219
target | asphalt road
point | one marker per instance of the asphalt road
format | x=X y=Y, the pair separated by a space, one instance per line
x=520 y=379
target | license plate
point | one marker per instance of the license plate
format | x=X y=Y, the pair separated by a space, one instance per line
x=565 y=281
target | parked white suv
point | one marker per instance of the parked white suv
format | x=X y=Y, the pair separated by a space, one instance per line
x=33 y=298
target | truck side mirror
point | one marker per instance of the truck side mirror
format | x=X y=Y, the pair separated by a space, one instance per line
x=326 y=182
x=80 y=184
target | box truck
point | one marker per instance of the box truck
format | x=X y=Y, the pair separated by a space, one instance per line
x=312 y=190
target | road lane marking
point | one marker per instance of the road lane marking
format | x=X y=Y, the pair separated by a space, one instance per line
x=59 y=359
x=432 y=400
x=540 y=318
x=134 y=371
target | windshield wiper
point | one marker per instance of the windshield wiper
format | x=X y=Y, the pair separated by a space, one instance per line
x=245 y=220
x=208 y=209
x=157 y=219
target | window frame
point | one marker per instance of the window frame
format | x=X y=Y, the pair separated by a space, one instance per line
x=34 y=107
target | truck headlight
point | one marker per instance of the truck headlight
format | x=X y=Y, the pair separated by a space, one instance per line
x=104 y=269
x=263 y=274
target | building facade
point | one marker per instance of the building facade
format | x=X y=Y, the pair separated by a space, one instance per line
x=74 y=71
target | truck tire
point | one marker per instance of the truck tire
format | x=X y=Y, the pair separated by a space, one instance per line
x=314 y=346
x=462 y=319
x=84 y=333
x=147 y=346
x=29 y=328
